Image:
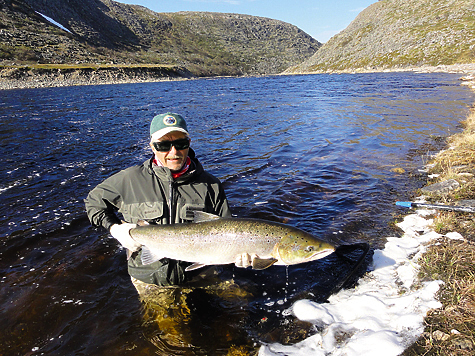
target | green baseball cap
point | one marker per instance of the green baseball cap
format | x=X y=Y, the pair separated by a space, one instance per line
x=165 y=123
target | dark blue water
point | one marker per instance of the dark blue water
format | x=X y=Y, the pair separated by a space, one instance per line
x=327 y=153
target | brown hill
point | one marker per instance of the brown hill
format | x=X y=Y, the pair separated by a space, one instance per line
x=400 y=33
x=105 y=31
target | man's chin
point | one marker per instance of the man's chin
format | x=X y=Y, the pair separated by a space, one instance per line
x=175 y=166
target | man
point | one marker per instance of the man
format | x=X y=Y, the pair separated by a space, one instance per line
x=163 y=190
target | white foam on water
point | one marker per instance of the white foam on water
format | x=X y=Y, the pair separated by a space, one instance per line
x=384 y=313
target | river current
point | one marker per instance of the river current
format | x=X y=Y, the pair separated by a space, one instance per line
x=329 y=154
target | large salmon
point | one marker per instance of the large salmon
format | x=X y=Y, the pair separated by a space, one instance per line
x=212 y=240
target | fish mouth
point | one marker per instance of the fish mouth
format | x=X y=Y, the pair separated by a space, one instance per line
x=313 y=257
x=321 y=254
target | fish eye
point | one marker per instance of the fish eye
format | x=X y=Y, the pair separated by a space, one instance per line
x=309 y=249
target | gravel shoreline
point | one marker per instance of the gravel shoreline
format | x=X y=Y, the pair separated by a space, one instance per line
x=28 y=78
x=468 y=68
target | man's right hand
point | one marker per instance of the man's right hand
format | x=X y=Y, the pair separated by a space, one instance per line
x=244 y=260
x=121 y=233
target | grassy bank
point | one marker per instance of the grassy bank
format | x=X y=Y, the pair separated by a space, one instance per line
x=56 y=66
x=450 y=330
x=58 y=75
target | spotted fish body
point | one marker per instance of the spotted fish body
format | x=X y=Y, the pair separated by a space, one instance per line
x=212 y=240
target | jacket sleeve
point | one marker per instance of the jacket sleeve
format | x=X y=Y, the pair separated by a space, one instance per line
x=102 y=204
x=221 y=205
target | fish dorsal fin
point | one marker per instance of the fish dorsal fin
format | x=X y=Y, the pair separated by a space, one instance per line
x=142 y=223
x=201 y=216
x=263 y=263
x=149 y=256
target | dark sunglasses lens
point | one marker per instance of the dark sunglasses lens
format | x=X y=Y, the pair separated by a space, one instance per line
x=166 y=146
x=162 y=146
x=181 y=144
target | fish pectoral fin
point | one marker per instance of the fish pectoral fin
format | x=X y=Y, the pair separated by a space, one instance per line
x=195 y=265
x=263 y=263
x=201 y=216
x=150 y=256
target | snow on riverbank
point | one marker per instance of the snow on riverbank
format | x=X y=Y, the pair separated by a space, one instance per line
x=53 y=22
x=382 y=315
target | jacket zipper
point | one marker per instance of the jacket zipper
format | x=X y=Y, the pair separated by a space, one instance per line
x=171 y=203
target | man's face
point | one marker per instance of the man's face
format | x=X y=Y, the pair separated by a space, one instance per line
x=173 y=159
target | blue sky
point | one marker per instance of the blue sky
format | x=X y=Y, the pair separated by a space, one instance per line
x=321 y=19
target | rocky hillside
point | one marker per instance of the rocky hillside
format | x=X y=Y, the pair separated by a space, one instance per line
x=400 y=33
x=105 y=31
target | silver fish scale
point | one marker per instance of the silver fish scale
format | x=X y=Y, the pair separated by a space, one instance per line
x=213 y=242
x=220 y=241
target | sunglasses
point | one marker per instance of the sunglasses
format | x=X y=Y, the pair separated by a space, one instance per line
x=165 y=146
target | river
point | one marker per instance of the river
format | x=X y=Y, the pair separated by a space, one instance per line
x=329 y=154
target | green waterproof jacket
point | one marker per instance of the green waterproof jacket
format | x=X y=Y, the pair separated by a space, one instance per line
x=148 y=192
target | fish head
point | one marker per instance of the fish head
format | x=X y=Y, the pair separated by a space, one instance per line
x=300 y=247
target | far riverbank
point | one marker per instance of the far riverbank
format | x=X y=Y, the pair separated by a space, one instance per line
x=57 y=75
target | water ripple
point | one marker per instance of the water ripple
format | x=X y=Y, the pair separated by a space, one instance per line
x=321 y=152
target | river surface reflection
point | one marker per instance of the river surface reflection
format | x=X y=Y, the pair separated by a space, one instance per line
x=329 y=154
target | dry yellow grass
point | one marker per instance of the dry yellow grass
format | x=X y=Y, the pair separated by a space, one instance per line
x=461 y=149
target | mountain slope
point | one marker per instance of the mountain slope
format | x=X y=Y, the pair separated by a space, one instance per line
x=105 y=31
x=400 y=33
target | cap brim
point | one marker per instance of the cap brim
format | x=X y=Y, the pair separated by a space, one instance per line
x=160 y=133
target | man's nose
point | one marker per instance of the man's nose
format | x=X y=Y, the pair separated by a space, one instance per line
x=173 y=150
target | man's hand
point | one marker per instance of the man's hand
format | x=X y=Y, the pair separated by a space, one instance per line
x=121 y=233
x=245 y=260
